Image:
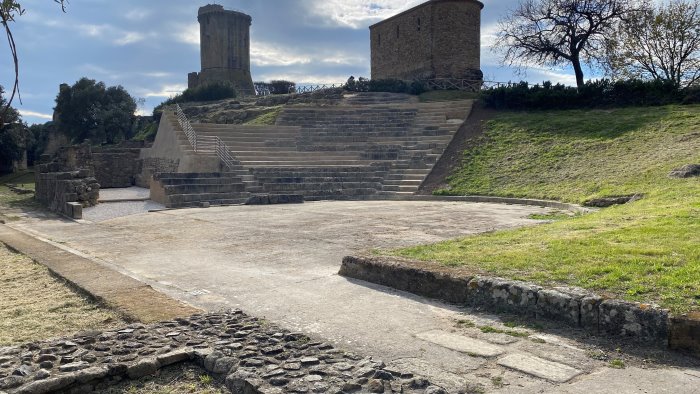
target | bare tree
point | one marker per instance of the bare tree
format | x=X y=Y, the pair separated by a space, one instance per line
x=658 y=42
x=9 y=10
x=559 y=32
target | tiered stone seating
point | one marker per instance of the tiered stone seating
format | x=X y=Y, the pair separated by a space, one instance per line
x=181 y=190
x=370 y=145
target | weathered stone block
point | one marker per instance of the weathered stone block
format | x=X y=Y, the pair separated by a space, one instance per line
x=685 y=333
x=224 y=365
x=392 y=273
x=559 y=306
x=503 y=295
x=144 y=367
x=642 y=321
x=590 y=312
x=174 y=357
x=74 y=210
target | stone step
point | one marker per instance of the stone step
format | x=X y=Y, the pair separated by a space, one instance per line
x=309 y=163
x=204 y=197
x=319 y=180
x=331 y=194
x=194 y=175
x=203 y=188
x=218 y=202
x=301 y=187
x=401 y=188
x=403 y=182
x=199 y=181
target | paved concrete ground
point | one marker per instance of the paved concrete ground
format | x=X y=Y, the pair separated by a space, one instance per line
x=280 y=262
x=116 y=203
x=128 y=194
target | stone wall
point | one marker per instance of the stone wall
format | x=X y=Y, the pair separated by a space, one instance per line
x=67 y=183
x=117 y=167
x=437 y=39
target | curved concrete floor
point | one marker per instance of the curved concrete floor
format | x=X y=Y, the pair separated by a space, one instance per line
x=281 y=262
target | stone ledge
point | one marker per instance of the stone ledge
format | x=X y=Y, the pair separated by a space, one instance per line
x=572 y=306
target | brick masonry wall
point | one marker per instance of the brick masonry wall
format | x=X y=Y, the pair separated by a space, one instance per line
x=438 y=39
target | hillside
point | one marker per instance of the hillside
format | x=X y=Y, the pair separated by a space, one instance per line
x=644 y=251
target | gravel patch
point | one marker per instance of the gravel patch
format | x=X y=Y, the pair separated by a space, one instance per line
x=113 y=210
x=130 y=193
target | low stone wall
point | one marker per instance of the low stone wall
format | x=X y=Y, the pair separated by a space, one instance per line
x=117 y=167
x=251 y=355
x=68 y=182
x=572 y=306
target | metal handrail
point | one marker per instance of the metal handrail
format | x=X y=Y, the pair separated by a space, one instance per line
x=202 y=143
x=186 y=126
x=310 y=88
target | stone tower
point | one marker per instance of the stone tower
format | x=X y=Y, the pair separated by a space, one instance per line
x=225 y=48
x=437 y=39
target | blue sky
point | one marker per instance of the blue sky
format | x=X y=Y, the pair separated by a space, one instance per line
x=149 y=46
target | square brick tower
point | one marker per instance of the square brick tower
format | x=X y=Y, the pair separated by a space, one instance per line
x=437 y=39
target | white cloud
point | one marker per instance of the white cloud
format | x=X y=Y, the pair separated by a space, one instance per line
x=137 y=14
x=302 y=78
x=35 y=114
x=130 y=38
x=93 y=30
x=163 y=91
x=188 y=34
x=102 y=72
x=158 y=74
x=357 y=14
x=264 y=54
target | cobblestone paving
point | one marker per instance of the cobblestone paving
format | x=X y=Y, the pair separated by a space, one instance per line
x=250 y=354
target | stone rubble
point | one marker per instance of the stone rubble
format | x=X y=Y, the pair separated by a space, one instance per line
x=250 y=355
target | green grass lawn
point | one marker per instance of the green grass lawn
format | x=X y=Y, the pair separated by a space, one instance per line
x=646 y=251
x=11 y=202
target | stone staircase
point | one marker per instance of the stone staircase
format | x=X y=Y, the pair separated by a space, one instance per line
x=184 y=190
x=373 y=145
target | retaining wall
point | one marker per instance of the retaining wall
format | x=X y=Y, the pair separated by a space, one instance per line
x=572 y=306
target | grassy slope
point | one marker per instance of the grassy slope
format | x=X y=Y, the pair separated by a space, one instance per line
x=268 y=118
x=645 y=251
x=35 y=306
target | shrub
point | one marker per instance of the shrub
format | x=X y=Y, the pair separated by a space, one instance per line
x=209 y=92
x=600 y=93
x=282 y=87
x=384 y=85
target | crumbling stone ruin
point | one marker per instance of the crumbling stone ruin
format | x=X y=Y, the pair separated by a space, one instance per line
x=67 y=183
x=437 y=39
x=225 y=49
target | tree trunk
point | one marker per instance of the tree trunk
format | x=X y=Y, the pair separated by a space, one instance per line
x=576 y=62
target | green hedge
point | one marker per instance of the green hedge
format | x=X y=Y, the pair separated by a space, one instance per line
x=595 y=94
x=384 y=85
